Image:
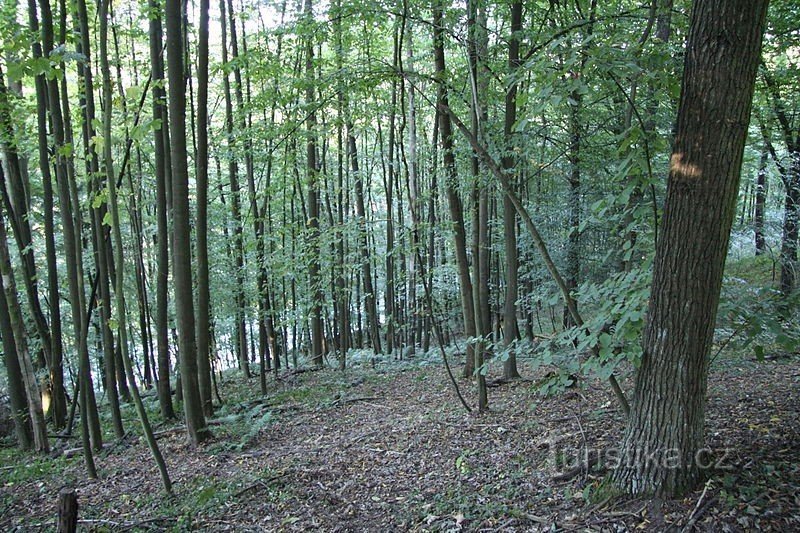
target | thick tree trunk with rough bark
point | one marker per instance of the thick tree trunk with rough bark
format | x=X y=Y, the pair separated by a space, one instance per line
x=662 y=451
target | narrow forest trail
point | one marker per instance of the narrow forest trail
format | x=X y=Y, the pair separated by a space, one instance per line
x=367 y=451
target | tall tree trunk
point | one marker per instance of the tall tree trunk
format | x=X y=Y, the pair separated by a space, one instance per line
x=412 y=173
x=102 y=257
x=790 y=175
x=39 y=426
x=201 y=226
x=119 y=285
x=58 y=405
x=134 y=208
x=432 y=203
x=574 y=155
x=662 y=451
x=388 y=173
x=761 y=202
x=182 y=260
x=315 y=282
x=510 y=325
x=453 y=197
x=92 y=168
x=18 y=398
x=791 y=226
x=233 y=175
x=71 y=224
x=573 y=266
x=162 y=168
x=15 y=192
x=480 y=230
x=342 y=292
x=370 y=298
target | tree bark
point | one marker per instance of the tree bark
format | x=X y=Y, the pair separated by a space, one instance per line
x=370 y=297
x=119 y=282
x=315 y=281
x=235 y=192
x=761 y=202
x=67 y=511
x=790 y=175
x=18 y=399
x=201 y=226
x=88 y=131
x=662 y=451
x=102 y=257
x=477 y=44
x=182 y=260
x=510 y=324
x=32 y=391
x=453 y=198
x=162 y=169
x=56 y=351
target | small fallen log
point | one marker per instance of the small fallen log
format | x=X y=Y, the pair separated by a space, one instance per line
x=72 y=452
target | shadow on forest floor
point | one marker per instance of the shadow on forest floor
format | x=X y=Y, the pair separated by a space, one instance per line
x=369 y=450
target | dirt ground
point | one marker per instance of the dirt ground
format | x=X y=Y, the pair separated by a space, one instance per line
x=394 y=450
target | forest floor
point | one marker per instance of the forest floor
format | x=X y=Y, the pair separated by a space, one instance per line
x=391 y=449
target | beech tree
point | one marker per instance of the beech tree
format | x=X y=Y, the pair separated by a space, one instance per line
x=182 y=248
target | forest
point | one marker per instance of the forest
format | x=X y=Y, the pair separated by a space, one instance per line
x=351 y=265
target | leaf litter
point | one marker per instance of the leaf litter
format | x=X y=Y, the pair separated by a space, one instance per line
x=393 y=450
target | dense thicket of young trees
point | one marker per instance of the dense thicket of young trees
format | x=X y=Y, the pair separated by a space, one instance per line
x=281 y=183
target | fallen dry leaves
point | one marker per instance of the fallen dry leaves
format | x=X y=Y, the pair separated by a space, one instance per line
x=394 y=451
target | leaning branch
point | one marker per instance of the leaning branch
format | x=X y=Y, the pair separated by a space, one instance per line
x=569 y=301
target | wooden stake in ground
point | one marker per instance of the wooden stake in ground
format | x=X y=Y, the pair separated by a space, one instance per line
x=67 y=511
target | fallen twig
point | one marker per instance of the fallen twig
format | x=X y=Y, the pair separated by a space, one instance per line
x=125 y=525
x=504 y=381
x=593 y=459
x=261 y=483
x=343 y=401
x=169 y=431
x=697 y=512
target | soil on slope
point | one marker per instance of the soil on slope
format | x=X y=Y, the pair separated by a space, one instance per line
x=368 y=450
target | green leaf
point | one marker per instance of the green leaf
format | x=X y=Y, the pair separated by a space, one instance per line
x=759 y=350
x=98 y=142
x=16 y=71
x=99 y=199
x=65 y=150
